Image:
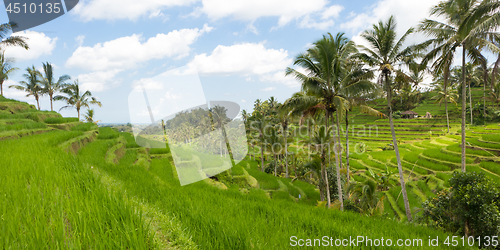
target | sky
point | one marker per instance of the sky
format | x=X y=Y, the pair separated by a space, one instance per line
x=238 y=48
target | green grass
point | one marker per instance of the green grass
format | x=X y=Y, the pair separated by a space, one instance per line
x=107 y=133
x=53 y=199
x=415 y=159
x=84 y=127
x=491 y=166
x=266 y=181
x=22 y=124
x=59 y=120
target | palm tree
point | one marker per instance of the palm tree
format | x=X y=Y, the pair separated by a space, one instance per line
x=469 y=24
x=386 y=52
x=20 y=41
x=284 y=118
x=31 y=85
x=89 y=117
x=325 y=63
x=451 y=94
x=50 y=86
x=219 y=118
x=321 y=142
x=75 y=99
x=6 y=69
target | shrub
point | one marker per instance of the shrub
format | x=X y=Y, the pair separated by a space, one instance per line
x=470 y=206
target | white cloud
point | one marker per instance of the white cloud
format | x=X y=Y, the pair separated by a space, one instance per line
x=332 y=12
x=269 y=89
x=39 y=44
x=307 y=22
x=79 y=40
x=243 y=59
x=127 y=52
x=123 y=9
x=243 y=100
x=407 y=13
x=99 y=80
x=244 y=10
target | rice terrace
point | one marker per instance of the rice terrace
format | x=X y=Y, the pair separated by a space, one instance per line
x=370 y=138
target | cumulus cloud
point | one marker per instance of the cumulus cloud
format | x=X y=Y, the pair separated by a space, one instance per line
x=248 y=60
x=124 y=9
x=39 y=44
x=127 y=52
x=99 y=80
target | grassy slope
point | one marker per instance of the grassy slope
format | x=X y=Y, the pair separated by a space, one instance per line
x=82 y=201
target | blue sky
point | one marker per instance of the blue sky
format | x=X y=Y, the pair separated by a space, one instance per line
x=240 y=48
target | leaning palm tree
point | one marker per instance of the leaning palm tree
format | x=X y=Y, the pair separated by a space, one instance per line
x=75 y=99
x=31 y=85
x=20 y=41
x=6 y=69
x=386 y=52
x=49 y=84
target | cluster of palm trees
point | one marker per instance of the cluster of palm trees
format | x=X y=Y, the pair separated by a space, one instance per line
x=38 y=84
x=340 y=74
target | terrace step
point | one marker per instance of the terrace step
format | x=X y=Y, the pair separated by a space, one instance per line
x=395 y=207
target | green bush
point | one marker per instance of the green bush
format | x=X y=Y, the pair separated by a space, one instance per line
x=469 y=207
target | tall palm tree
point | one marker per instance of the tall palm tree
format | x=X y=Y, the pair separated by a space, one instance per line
x=31 y=85
x=386 y=52
x=6 y=69
x=469 y=24
x=75 y=99
x=6 y=29
x=325 y=63
x=49 y=84
x=321 y=142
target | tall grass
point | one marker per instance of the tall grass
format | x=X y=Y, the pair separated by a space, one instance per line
x=107 y=133
x=52 y=200
x=59 y=120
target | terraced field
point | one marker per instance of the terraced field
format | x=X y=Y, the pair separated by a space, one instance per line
x=82 y=187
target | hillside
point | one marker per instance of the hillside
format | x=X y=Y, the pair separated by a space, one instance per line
x=71 y=185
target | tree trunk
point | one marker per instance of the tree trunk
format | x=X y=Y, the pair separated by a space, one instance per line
x=275 y=166
x=51 y=107
x=446 y=74
x=1 y=88
x=464 y=97
x=337 y=167
x=485 y=79
x=495 y=67
x=328 y=198
x=38 y=105
x=347 y=145
x=262 y=153
x=396 y=149
x=470 y=104
x=287 y=175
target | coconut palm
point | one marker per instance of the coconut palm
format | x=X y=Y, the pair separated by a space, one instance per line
x=75 y=98
x=20 y=41
x=469 y=24
x=325 y=63
x=219 y=118
x=6 y=69
x=89 y=117
x=451 y=94
x=321 y=142
x=31 y=85
x=386 y=52
x=49 y=84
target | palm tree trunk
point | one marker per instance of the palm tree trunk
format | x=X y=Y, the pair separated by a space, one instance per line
x=328 y=198
x=347 y=144
x=464 y=97
x=446 y=74
x=495 y=67
x=337 y=168
x=287 y=175
x=275 y=166
x=51 y=107
x=470 y=103
x=396 y=149
x=261 y=154
x=38 y=105
x=485 y=79
x=77 y=110
x=1 y=88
